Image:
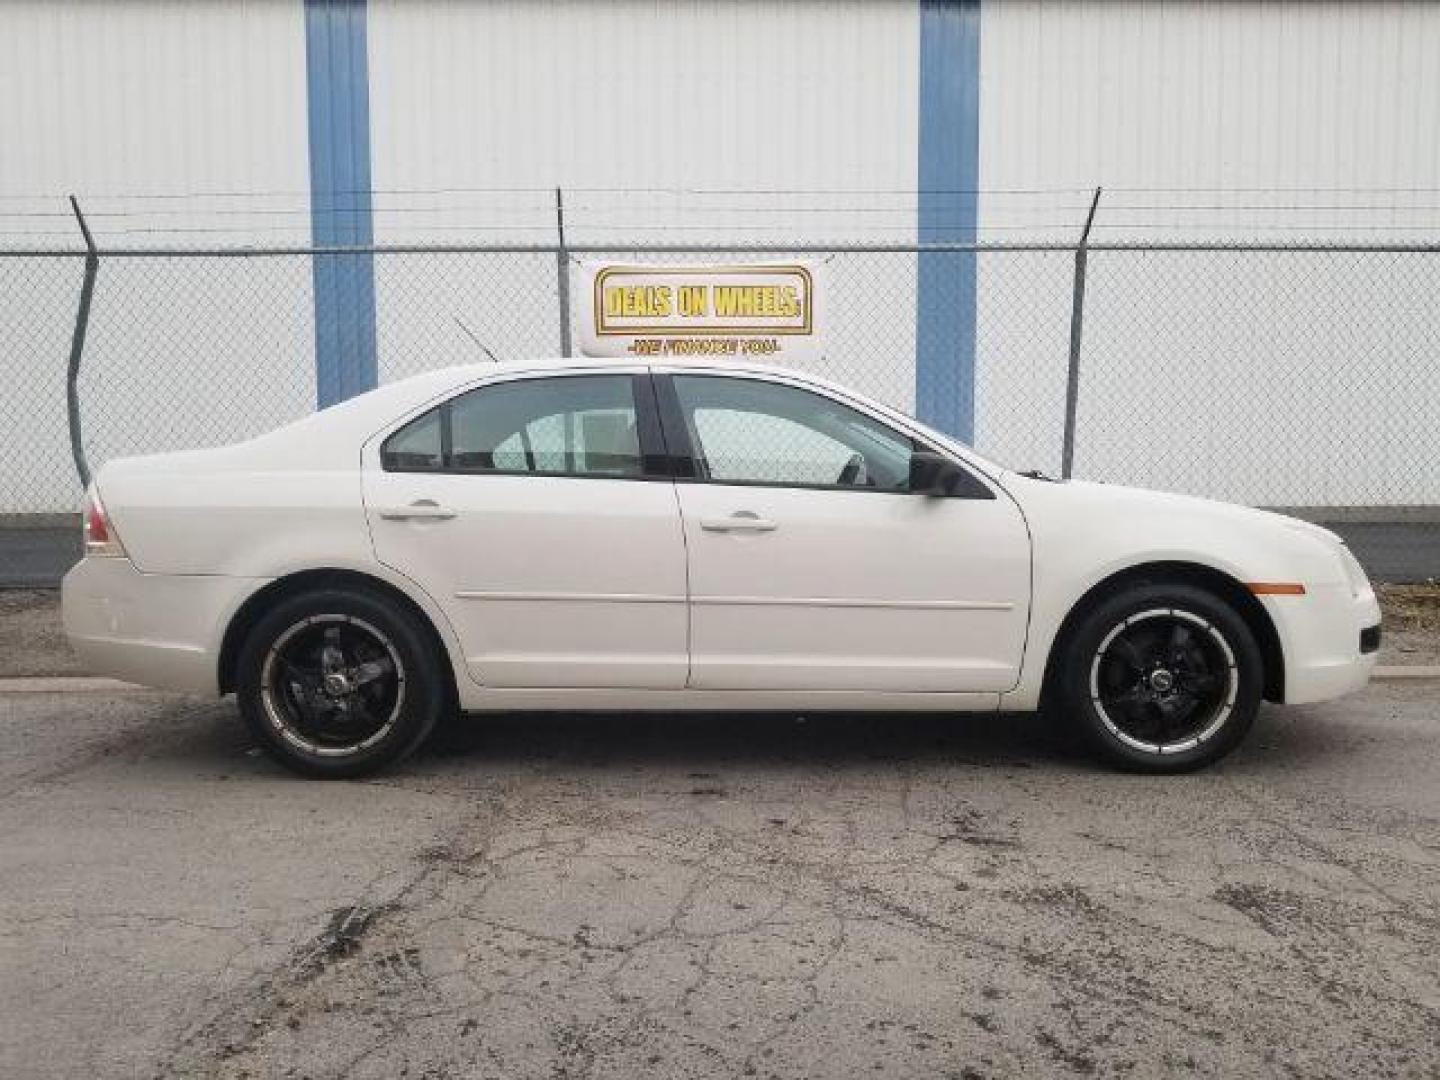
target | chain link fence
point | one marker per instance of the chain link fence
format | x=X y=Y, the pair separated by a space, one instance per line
x=1298 y=377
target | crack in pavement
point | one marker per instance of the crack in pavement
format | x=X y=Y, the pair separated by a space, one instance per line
x=568 y=903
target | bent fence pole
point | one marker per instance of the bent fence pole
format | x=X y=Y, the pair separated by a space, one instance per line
x=77 y=347
x=562 y=273
x=1077 y=326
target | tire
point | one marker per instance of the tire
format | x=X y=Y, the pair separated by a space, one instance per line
x=1161 y=678
x=341 y=682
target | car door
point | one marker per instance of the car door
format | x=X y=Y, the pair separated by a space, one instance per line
x=534 y=510
x=812 y=566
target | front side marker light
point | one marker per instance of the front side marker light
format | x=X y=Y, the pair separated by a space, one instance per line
x=1276 y=588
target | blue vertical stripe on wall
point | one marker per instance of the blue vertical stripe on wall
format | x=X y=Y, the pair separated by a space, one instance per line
x=337 y=82
x=949 y=175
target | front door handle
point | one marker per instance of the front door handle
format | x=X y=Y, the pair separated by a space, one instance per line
x=740 y=521
x=426 y=509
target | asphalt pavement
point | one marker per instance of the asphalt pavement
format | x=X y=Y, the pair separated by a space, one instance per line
x=697 y=896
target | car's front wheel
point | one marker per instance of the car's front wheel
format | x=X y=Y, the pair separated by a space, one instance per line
x=1162 y=677
x=338 y=683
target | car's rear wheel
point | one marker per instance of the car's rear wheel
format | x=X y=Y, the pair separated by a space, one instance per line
x=1162 y=677
x=338 y=683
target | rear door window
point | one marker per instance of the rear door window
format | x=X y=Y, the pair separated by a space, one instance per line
x=573 y=425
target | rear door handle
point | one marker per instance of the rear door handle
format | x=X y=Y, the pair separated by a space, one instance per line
x=740 y=521
x=426 y=509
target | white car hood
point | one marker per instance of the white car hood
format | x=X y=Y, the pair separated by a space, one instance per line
x=1090 y=496
x=1108 y=527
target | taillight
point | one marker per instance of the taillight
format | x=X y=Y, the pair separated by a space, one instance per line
x=100 y=538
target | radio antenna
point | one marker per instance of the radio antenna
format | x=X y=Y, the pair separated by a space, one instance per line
x=478 y=343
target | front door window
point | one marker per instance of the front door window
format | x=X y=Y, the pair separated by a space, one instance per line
x=746 y=431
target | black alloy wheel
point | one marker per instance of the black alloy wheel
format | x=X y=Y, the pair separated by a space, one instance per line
x=1161 y=677
x=342 y=682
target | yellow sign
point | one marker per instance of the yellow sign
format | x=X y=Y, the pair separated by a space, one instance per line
x=657 y=311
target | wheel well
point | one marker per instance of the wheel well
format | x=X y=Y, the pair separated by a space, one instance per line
x=1245 y=603
x=280 y=589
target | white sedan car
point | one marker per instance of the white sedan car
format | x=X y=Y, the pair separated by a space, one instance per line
x=593 y=535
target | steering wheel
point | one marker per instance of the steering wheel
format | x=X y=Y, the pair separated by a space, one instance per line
x=851 y=472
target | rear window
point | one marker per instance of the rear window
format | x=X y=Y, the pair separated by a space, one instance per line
x=579 y=425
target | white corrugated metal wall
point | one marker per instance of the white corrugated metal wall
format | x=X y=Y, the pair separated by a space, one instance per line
x=1219 y=95
x=631 y=107
x=1205 y=121
x=477 y=110
x=133 y=106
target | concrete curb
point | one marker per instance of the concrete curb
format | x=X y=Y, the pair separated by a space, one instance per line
x=85 y=684
x=1408 y=671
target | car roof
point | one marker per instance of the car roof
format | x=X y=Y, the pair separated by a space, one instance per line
x=422 y=389
x=416 y=389
x=565 y=363
x=328 y=438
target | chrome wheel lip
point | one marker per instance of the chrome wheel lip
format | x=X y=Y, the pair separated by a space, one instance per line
x=1222 y=713
x=275 y=713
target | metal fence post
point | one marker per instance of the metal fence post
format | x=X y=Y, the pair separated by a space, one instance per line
x=1077 y=326
x=562 y=273
x=77 y=346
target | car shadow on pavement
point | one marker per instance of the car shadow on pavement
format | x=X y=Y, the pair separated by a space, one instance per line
x=212 y=738
x=1282 y=740
x=830 y=739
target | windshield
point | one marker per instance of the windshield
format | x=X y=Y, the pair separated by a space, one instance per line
x=947 y=442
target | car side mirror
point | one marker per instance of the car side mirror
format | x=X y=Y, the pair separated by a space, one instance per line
x=933 y=475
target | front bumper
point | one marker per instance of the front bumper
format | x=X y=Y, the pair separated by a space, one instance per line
x=161 y=630
x=1321 y=635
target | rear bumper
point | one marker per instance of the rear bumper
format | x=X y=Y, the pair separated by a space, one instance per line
x=161 y=630
x=1321 y=635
